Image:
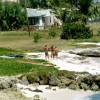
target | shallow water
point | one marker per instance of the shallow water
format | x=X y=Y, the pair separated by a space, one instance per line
x=93 y=97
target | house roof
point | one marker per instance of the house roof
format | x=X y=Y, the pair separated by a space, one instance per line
x=96 y=1
x=37 y=12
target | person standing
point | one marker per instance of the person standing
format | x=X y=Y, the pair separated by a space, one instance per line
x=52 y=52
x=56 y=52
x=46 y=52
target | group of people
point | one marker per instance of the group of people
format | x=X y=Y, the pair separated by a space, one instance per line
x=50 y=52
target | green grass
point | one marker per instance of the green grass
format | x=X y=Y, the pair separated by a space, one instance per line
x=6 y=51
x=9 y=67
x=20 y=40
x=17 y=66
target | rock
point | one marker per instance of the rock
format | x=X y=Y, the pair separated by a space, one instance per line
x=33 y=77
x=84 y=86
x=6 y=83
x=24 y=81
x=89 y=79
x=36 y=97
x=97 y=78
x=37 y=90
x=43 y=82
x=49 y=88
x=74 y=86
x=53 y=80
x=89 y=52
x=61 y=85
x=95 y=87
x=54 y=89
x=65 y=81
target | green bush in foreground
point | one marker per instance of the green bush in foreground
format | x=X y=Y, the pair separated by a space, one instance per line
x=52 y=33
x=36 y=37
x=76 y=31
x=41 y=74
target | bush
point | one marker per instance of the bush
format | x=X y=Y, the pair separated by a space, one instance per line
x=41 y=75
x=12 y=16
x=36 y=37
x=52 y=33
x=76 y=31
x=98 y=33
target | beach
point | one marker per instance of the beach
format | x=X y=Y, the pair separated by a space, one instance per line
x=54 y=93
x=71 y=62
x=65 y=61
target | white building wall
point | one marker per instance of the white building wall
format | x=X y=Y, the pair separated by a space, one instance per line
x=10 y=0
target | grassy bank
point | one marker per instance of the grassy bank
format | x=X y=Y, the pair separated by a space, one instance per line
x=20 y=40
x=17 y=66
x=9 y=67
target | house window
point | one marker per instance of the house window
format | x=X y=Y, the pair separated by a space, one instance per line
x=33 y=21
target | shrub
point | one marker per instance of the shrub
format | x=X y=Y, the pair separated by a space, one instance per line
x=12 y=16
x=75 y=31
x=52 y=33
x=36 y=37
x=98 y=33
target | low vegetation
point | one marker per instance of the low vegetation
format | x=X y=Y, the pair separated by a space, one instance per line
x=76 y=31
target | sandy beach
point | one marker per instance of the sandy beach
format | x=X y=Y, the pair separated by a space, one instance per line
x=54 y=93
x=26 y=93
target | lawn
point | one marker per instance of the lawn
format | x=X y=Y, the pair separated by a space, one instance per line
x=16 y=66
x=9 y=67
x=20 y=40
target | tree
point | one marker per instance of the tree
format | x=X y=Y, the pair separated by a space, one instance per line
x=12 y=16
x=74 y=26
x=82 y=5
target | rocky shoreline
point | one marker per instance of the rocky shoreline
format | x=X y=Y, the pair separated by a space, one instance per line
x=63 y=79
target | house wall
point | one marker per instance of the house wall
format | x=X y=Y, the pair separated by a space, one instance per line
x=10 y=0
x=47 y=21
x=96 y=1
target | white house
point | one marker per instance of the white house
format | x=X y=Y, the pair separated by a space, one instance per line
x=41 y=17
x=10 y=0
x=96 y=1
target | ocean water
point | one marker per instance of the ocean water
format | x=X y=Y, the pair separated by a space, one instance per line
x=93 y=97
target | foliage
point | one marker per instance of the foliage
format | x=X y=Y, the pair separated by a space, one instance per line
x=98 y=34
x=45 y=3
x=52 y=33
x=73 y=16
x=82 y=5
x=40 y=73
x=12 y=16
x=75 y=31
x=36 y=37
x=75 y=21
